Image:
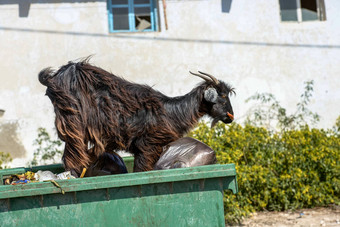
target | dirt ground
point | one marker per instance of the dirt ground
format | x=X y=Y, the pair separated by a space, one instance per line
x=300 y=218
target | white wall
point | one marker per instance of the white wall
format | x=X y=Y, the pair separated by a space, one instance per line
x=249 y=47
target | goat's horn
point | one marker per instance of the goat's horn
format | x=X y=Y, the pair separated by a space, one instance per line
x=211 y=77
x=203 y=77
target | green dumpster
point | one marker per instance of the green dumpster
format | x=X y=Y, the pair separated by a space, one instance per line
x=177 y=197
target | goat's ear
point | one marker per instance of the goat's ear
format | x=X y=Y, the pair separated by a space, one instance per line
x=210 y=95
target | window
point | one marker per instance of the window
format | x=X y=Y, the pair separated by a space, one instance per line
x=132 y=15
x=302 y=10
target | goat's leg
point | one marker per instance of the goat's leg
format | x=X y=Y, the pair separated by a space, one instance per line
x=141 y=164
x=145 y=161
x=137 y=164
x=75 y=158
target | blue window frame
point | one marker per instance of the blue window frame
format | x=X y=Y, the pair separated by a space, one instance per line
x=132 y=15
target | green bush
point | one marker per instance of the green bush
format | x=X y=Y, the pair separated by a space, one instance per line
x=276 y=170
x=47 y=150
x=270 y=114
x=4 y=158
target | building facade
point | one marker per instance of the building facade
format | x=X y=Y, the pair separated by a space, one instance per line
x=257 y=46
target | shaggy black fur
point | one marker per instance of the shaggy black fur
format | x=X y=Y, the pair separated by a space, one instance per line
x=98 y=112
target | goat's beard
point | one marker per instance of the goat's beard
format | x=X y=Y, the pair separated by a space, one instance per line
x=214 y=122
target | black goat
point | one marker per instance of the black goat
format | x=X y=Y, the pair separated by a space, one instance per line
x=94 y=107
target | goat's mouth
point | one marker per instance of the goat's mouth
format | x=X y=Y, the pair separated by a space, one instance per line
x=231 y=117
x=228 y=119
x=225 y=119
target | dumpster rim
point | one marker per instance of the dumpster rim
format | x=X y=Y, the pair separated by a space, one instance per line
x=121 y=180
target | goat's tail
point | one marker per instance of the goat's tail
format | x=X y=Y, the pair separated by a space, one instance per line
x=45 y=75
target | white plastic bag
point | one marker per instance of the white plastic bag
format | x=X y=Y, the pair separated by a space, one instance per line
x=45 y=175
x=65 y=175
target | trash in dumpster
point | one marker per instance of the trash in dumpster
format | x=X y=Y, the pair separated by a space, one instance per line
x=65 y=175
x=16 y=179
x=57 y=185
x=20 y=182
x=48 y=175
x=185 y=152
x=39 y=176
x=106 y=164
x=45 y=175
x=29 y=175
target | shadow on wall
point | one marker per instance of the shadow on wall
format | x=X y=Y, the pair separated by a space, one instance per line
x=9 y=141
x=24 y=5
x=226 y=6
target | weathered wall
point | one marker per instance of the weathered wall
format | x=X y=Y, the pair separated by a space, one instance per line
x=248 y=47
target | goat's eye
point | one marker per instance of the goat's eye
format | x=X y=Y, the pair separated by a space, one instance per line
x=224 y=96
